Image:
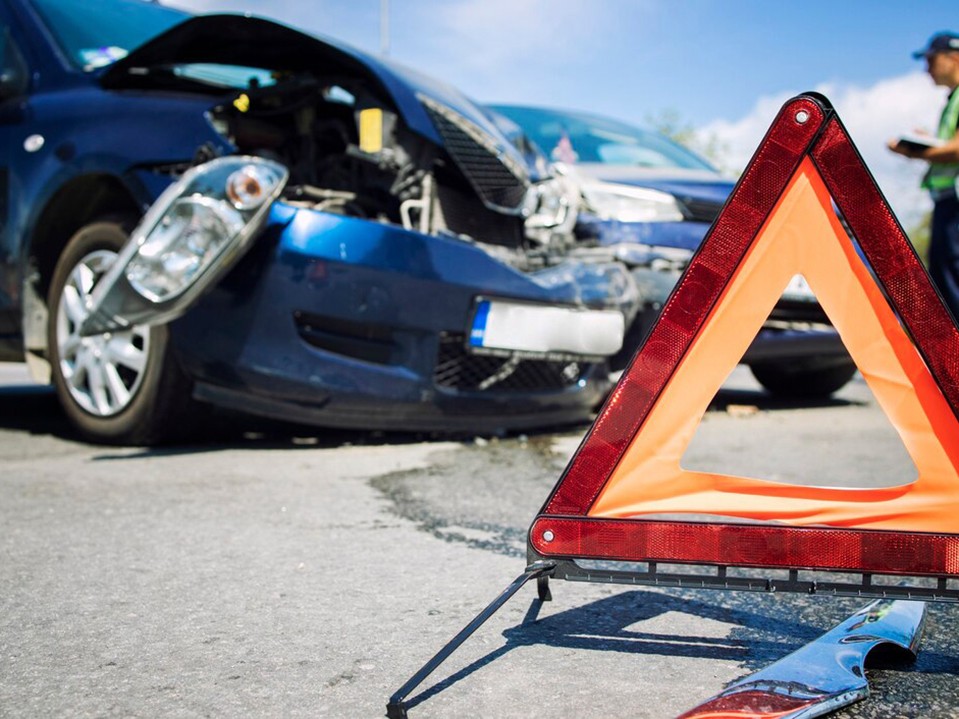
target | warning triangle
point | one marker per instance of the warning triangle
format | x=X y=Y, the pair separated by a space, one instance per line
x=781 y=220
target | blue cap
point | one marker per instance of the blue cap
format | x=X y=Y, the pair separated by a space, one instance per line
x=940 y=42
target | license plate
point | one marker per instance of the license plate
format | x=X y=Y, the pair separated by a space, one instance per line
x=543 y=329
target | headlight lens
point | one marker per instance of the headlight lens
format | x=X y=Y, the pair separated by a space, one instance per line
x=197 y=220
x=630 y=204
x=191 y=233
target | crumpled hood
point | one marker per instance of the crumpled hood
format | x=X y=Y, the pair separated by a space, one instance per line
x=685 y=185
x=255 y=42
x=228 y=40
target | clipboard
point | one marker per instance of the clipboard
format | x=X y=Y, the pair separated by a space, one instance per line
x=919 y=142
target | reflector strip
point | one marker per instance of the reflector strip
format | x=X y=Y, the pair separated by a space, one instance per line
x=753 y=704
x=745 y=545
x=778 y=222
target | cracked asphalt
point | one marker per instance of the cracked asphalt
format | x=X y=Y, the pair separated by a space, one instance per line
x=294 y=572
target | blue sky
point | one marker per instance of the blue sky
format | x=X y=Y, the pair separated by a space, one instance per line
x=723 y=67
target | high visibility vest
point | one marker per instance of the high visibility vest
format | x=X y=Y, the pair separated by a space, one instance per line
x=942 y=176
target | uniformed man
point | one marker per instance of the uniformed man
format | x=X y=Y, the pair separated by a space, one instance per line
x=942 y=63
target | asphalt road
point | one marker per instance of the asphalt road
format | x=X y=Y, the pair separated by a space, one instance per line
x=287 y=572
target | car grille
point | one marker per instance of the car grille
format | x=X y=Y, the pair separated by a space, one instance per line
x=360 y=340
x=457 y=369
x=464 y=214
x=700 y=210
x=476 y=156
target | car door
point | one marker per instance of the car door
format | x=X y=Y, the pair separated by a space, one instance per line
x=14 y=81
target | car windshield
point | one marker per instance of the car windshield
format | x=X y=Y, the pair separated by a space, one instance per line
x=92 y=35
x=578 y=137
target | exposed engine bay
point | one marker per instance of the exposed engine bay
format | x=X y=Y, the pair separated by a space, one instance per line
x=349 y=153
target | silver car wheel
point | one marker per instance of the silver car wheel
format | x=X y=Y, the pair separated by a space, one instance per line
x=103 y=372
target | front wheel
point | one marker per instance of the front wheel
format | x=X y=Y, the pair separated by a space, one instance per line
x=116 y=387
x=803 y=382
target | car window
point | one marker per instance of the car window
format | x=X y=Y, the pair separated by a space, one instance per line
x=92 y=35
x=579 y=137
x=226 y=76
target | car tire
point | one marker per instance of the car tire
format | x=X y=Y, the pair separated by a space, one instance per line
x=115 y=388
x=803 y=382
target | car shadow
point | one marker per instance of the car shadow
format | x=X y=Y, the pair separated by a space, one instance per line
x=727 y=400
x=34 y=409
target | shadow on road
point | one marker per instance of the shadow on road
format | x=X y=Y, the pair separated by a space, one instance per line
x=755 y=640
x=608 y=625
x=34 y=409
x=764 y=402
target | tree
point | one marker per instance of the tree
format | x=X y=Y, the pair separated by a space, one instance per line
x=669 y=123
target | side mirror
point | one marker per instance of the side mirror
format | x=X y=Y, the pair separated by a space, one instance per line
x=14 y=74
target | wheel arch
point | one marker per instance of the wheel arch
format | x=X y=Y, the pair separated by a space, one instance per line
x=78 y=202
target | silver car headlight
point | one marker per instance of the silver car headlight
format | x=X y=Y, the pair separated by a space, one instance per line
x=610 y=201
x=192 y=224
x=193 y=234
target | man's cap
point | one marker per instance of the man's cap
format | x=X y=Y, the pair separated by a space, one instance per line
x=940 y=42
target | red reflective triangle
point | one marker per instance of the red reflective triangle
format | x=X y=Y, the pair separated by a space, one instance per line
x=778 y=222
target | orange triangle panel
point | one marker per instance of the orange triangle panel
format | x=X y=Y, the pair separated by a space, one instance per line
x=780 y=221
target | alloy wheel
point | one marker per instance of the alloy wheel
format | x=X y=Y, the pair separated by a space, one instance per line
x=101 y=372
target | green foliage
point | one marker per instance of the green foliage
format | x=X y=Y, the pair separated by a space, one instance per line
x=669 y=123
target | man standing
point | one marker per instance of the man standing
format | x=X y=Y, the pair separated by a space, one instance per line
x=942 y=63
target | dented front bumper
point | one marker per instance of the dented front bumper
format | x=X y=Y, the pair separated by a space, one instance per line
x=339 y=321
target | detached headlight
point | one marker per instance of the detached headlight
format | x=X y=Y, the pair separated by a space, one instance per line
x=212 y=207
x=630 y=204
x=194 y=233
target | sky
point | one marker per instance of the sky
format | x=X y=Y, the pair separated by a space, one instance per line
x=723 y=67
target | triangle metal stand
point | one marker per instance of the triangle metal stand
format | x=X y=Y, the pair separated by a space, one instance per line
x=540 y=571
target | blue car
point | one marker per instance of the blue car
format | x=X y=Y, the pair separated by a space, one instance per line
x=222 y=211
x=649 y=202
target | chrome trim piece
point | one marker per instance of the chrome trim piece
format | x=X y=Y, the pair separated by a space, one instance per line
x=824 y=675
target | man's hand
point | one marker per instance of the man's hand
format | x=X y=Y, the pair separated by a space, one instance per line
x=901 y=148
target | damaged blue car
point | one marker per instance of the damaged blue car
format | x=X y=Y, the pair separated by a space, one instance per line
x=223 y=211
